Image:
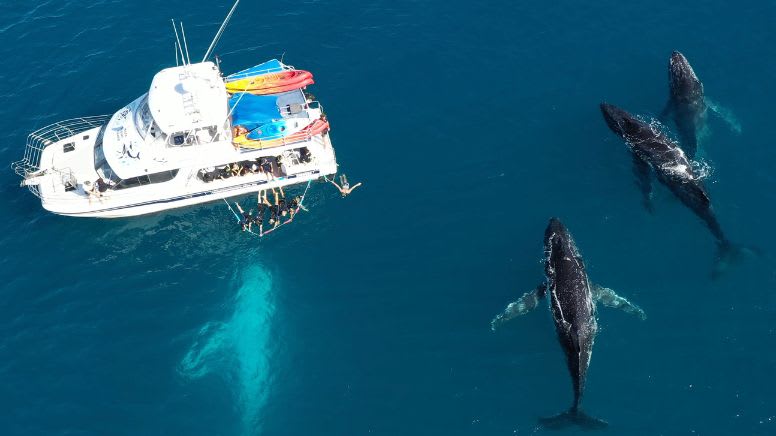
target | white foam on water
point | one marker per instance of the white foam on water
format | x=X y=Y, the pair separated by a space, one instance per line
x=237 y=349
x=703 y=169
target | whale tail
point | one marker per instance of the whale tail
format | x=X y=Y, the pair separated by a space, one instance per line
x=729 y=254
x=573 y=417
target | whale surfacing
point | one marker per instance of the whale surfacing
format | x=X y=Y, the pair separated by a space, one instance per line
x=572 y=300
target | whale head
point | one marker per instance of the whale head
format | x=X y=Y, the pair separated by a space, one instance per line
x=620 y=121
x=558 y=243
x=683 y=82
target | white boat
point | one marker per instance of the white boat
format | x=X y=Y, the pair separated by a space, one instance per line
x=177 y=146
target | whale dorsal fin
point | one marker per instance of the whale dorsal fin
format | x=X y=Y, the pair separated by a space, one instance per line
x=609 y=298
x=526 y=303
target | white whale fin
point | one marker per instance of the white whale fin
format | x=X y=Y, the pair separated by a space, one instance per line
x=609 y=298
x=666 y=112
x=641 y=171
x=726 y=114
x=526 y=303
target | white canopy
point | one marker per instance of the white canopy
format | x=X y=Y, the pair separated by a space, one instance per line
x=188 y=97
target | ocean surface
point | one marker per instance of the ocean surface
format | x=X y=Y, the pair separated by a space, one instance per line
x=470 y=124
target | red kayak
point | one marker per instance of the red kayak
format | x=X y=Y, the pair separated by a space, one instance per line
x=271 y=80
x=282 y=88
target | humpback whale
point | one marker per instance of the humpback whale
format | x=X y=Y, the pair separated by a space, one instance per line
x=687 y=105
x=572 y=300
x=652 y=148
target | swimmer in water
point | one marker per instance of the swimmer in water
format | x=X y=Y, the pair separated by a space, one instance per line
x=247 y=218
x=263 y=205
x=344 y=187
x=294 y=205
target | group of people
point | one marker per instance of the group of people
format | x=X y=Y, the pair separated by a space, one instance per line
x=281 y=208
x=278 y=211
x=261 y=165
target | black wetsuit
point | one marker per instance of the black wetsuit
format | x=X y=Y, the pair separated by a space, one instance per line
x=246 y=219
x=274 y=214
x=266 y=165
x=282 y=206
x=259 y=218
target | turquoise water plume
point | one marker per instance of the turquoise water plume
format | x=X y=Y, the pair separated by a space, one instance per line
x=236 y=349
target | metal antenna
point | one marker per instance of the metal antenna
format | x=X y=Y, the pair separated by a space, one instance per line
x=185 y=44
x=175 y=29
x=177 y=63
x=220 y=32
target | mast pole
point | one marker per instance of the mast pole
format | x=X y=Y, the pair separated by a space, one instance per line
x=220 y=32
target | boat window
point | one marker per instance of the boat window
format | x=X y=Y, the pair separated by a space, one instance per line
x=101 y=165
x=203 y=135
x=164 y=176
x=144 y=121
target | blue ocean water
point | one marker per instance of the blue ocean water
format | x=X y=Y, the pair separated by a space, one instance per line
x=470 y=124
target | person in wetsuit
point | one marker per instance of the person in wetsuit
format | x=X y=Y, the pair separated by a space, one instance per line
x=279 y=209
x=266 y=166
x=294 y=205
x=263 y=204
x=247 y=219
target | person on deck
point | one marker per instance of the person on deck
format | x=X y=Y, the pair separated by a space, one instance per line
x=344 y=187
x=102 y=185
x=238 y=131
x=266 y=167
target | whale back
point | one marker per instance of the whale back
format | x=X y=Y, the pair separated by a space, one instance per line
x=571 y=303
x=684 y=85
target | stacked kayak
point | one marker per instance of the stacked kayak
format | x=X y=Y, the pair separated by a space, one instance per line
x=271 y=83
x=275 y=134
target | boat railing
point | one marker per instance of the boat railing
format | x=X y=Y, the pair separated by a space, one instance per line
x=29 y=166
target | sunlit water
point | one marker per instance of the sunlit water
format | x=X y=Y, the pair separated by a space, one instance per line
x=470 y=124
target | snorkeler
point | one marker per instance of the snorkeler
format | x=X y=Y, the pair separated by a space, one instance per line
x=294 y=205
x=247 y=218
x=344 y=187
x=274 y=209
x=263 y=204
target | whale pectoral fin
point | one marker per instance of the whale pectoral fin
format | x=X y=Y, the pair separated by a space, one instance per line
x=526 y=303
x=726 y=114
x=666 y=112
x=609 y=298
x=643 y=181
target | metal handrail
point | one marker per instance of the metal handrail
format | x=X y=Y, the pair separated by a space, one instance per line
x=38 y=140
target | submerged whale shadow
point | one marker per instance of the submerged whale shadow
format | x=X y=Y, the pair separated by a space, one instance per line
x=237 y=349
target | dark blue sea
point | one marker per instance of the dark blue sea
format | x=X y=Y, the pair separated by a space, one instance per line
x=470 y=124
